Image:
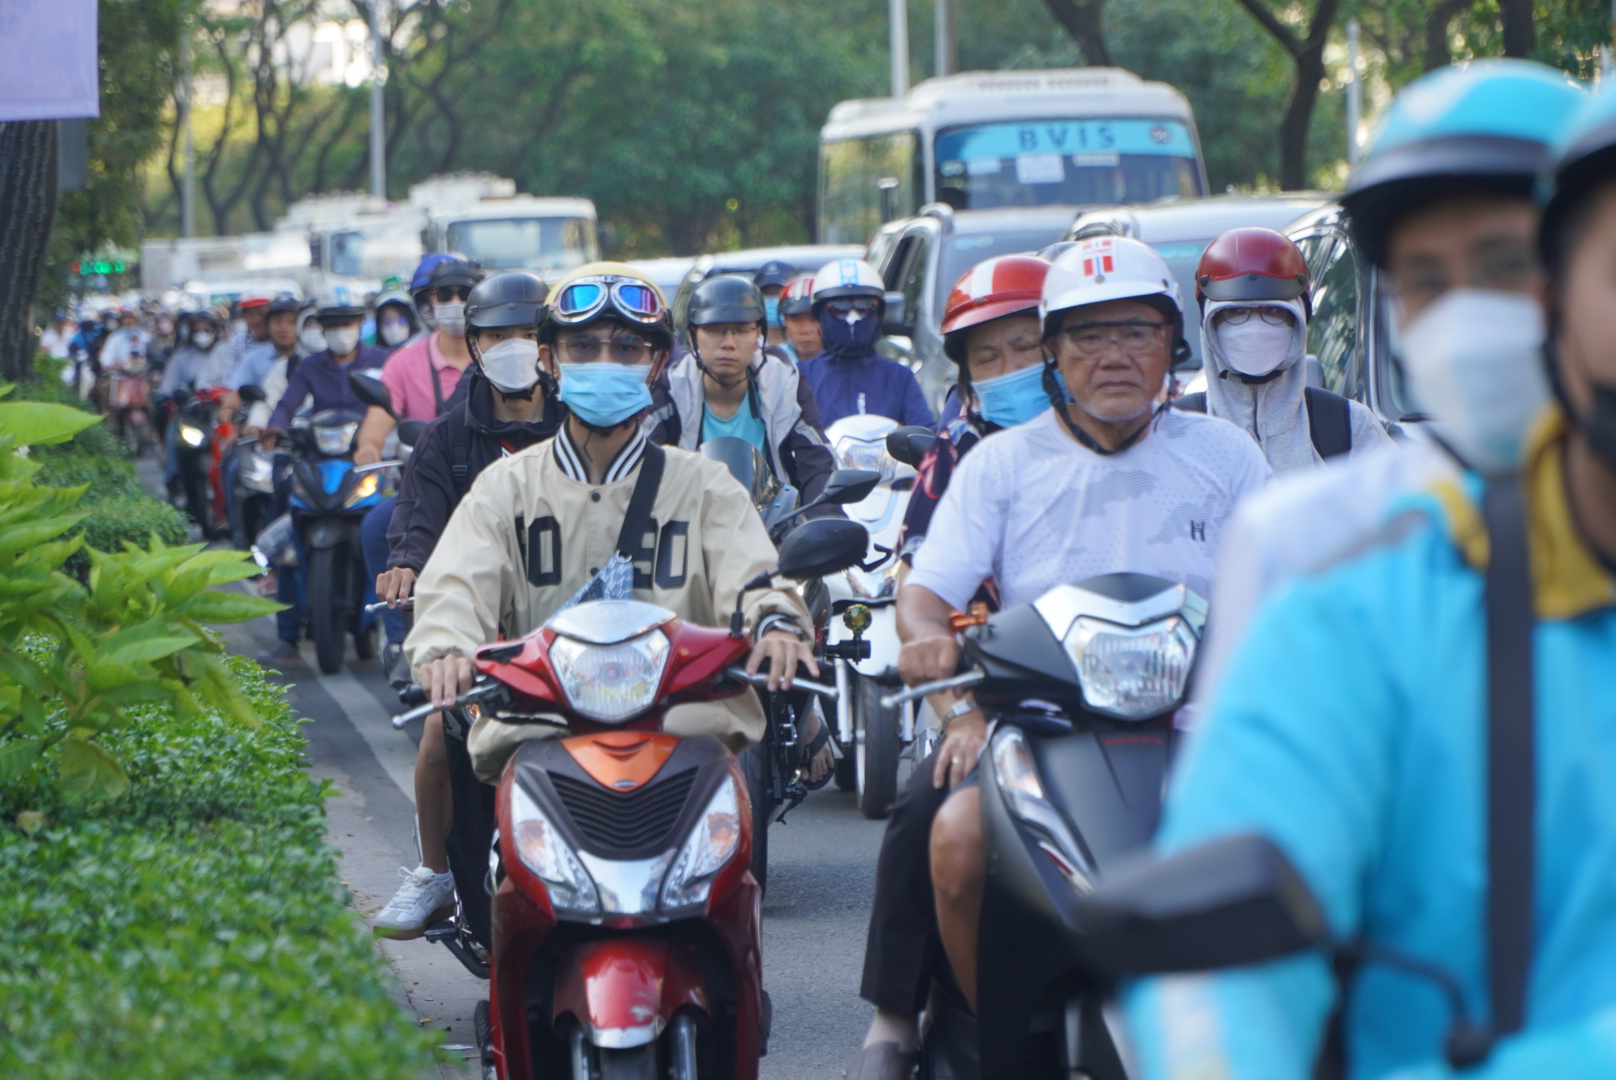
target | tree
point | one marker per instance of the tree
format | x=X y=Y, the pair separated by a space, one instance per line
x=1085 y=21
x=1307 y=54
x=27 y=208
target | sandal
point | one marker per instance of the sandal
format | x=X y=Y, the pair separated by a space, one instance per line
x=810 y=752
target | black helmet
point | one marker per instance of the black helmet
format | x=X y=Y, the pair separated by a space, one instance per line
x=284 y=302
x=774 y=273
x=455 y=270
x=512 y=299
x=725 y=299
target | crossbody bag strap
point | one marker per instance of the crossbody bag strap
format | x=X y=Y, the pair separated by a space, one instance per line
x=637 y=521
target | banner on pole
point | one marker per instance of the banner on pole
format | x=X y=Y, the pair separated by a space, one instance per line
x=48 y=65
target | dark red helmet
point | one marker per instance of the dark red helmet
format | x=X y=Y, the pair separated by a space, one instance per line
x=990 y=290
x=1252 y=264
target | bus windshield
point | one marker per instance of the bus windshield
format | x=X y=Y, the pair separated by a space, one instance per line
x=1065 y=162
x=524 y=243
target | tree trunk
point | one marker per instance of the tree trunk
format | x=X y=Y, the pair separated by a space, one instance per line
x=1085 y=22
x=1299 y=114
x=27 y=209
x=1520 y=37
x=1437 y=53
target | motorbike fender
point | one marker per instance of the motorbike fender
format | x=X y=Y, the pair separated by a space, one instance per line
x=624 y=991
x=324 y=533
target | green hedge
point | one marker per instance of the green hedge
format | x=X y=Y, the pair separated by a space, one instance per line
x=192 y=927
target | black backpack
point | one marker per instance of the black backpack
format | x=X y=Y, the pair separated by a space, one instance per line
x=1329 y=419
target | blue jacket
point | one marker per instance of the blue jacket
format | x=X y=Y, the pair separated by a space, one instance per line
x=1350 y=728
x=319 y=377
x=865 y=384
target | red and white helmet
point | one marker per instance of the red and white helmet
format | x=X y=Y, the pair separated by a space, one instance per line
x=798 y=297
x=992 y=289
x=1106 y=268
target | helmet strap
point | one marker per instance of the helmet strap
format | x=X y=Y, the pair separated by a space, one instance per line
x=1058 y=399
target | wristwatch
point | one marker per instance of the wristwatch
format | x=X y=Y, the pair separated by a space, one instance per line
x=955 y=711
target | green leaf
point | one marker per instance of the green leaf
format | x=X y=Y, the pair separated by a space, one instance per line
x=224 y=607
x=17 y=757
x=149 y=641
x=88 y=772
x=33 y=423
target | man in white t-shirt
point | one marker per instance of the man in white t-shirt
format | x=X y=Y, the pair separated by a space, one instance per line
x=1109 y=481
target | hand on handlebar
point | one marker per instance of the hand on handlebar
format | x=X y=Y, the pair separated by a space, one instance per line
x=784 y=651
x=928 y=659
x=268 y=439
x=445 y=679
x=395 y=586
x=367 y=455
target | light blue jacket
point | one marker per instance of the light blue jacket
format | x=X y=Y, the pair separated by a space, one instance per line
x=1350 y=728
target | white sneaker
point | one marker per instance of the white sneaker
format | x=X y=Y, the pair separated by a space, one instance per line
x=422 y=898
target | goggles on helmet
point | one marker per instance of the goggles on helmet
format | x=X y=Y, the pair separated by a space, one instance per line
x=583 y=300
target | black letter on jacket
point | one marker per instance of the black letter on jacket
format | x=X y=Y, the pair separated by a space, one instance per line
x=673 y=550
x=543 y=552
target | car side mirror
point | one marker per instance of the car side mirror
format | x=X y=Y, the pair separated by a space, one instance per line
x=251 y=394
x=910 y=444
x=895 y=319
x=1225 y=904
x=371 y=390
x=848 y=486
x=821 y=547
x=410 y=431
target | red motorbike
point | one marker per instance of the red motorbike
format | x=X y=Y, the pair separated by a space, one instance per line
x=625 y=918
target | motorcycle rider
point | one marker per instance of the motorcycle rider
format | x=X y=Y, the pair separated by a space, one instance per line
x=1352 y=726
x=771 y=280
x=607 y=338
x=252 y=329
x=508 y=406
x=265 y=367
x=1111 y=480
x=848 y=377
x=803 y=338
x=396 y=320
x=202 y=364
x=1252 y=287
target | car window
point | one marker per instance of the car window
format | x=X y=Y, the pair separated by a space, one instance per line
x=892 y=271
x=1332 y=336
x=912 y=280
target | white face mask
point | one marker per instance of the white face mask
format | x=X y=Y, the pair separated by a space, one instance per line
x=202 y=339
x=393 y=331
x=1474 y=365
x=1254 y=347
x=451 y=317
x=512 y=365
x=311 y=338
x=342 y=340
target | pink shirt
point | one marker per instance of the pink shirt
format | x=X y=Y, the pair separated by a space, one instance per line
x=408 y=377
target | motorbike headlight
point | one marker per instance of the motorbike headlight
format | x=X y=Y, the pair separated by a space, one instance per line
x=258 y=474
x=333 y=440
x=878 y=584
x=711 y=844
x=1017 y=776
x=192 y=436
x=870 y=456
x=1132 y=673
x=362 y=490
x=610 y=683
x=550 y=858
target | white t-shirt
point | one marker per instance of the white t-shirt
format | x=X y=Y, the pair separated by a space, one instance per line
x=1032 y=508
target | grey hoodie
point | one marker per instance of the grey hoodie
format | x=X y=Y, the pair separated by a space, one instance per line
x=1274 y=412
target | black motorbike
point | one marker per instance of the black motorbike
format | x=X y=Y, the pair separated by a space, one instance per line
x=1084 y=684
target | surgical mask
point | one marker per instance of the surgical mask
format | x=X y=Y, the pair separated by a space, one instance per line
x=311 y=338
x=1008 y=400
x=342 y=340
x=394 y=331
x=849 y=335
x=512 y=365
x=203 y=339
x=451 y=316
x=1254 y=347
x=1473 y=365
x=771 y=312
x=604 y=394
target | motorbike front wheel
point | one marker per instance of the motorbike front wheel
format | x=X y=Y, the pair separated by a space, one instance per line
x=330 y=613
x=875 y=748
x=755 y=766
x=195 y=479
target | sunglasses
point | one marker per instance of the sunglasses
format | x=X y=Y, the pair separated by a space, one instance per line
x=448 y=294
x=584 y=299
x=862 y=305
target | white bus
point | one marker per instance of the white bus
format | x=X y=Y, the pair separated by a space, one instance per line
x=1001 y=139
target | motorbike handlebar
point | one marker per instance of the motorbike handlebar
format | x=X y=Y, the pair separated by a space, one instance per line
x=377 y=466
x=483 y=689
x=404 y=604
x=913 y=693
x=761 y=680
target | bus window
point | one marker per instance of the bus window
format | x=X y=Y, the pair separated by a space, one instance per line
x=346 y=249
x=853 y=201
x=1065 y=162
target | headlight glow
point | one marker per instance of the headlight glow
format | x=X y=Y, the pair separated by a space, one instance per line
x=362 y=490
x=544 y=852
x=1016 y=774
x=258 y=474
x=1132 y=673
x=711 y=844
x=333 y=440
x=192 y=436
x=610 y=683
x=870 y=456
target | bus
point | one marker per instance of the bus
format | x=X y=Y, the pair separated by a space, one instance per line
x=993 y=139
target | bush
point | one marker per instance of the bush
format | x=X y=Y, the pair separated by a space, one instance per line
x=192 y=927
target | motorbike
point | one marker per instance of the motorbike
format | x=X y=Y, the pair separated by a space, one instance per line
x=1083 y=685
x=330 y=497
x=130 y=400
x=872 y=736
x=623 y=931
x=200 y=442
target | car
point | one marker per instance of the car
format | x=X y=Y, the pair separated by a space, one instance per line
x=666 y=274
x=923 y=256
x=806 y=258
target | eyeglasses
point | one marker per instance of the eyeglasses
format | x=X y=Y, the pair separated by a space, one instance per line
x=448 y=294
x=1239 y=316
x=1136 y=337
x=740 y=331
x=587 y=297
x=1505 y=267
x=863 y=305
x=625 y=350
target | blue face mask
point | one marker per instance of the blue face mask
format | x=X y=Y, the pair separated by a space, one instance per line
x=605 y=394
x=771 y=311
x=1012 y=399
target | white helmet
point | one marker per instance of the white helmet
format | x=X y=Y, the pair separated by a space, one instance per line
x=847 y=278
x=1107 y=268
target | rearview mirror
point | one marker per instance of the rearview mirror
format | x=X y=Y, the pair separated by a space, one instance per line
x=848 y=486
x=895 y=320
x=910 y=444
x=371 y=390
x=821 y=547
x=410 y=431
x=1225 y=904
x=251 y=394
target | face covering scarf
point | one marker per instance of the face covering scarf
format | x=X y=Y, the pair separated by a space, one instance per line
x=1008 y=400
x=342 y=340
x=451 y=317
x=604 y=395
x=1254 y=347
x=512 y=365
x=849 y=335
x=1473 y=365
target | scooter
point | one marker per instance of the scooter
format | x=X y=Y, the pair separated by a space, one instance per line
x=624 y=922
x=872 y=736
x=199 y=446
x=1083 y=685
x=131 y=405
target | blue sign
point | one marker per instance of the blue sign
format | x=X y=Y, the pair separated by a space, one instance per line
x=1162 y=138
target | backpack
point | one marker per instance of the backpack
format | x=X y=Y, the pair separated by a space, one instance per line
x=1329 y=419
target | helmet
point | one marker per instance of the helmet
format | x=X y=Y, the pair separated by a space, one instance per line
x=610 y=290
x=1007 y=285
x=394 y=296
x=338 y=302
x=724 y=299
x=1252 y=264
x=1112 y=268
x=798 y=299
x=1486 y=127
x=775 y=273
x=423 y=272
x=1584 y=155
x=511 y=299
x=845 y=278
x=455 y=270
x=253 y=298
x=284 y=302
